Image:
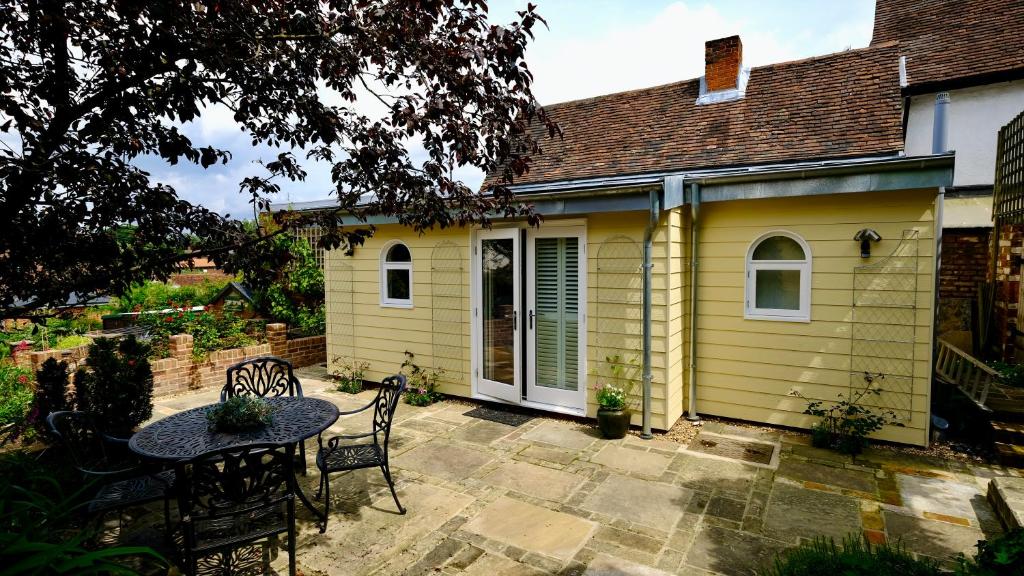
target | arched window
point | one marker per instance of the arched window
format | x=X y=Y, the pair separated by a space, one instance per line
x=779 y=278
x=396 y=276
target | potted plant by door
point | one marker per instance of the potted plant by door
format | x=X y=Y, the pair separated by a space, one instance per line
x=612 y=414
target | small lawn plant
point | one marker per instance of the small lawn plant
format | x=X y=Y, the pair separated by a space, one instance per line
x=349 y=374
x=422 y=382
x=1001 y=556
x=855 y=557
x=845 y=425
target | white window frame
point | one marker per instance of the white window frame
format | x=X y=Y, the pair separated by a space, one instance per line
x=385 y=266
x=750 y=311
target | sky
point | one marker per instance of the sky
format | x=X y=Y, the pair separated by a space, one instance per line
x=592 y=47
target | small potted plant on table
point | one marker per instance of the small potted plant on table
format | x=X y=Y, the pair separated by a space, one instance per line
x=239 y=414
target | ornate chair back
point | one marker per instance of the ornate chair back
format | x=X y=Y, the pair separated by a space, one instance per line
x=236 y=496
x=78 y=433
x=265 y=377
x=388 y=396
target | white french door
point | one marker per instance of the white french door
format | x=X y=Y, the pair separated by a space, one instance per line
x=497 y=264
x=529 y=316
x=555 y=317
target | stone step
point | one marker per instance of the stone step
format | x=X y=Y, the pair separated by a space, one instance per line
x=1010 y=454
x=1006 y=410
x=1006 y=494
x=1008 y=432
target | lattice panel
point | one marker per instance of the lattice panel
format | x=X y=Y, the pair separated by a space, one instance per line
x=1008 y=187
x=447 y=263
x=883 y=327
x=341 y=311
x=312 y=235
x=619 y=297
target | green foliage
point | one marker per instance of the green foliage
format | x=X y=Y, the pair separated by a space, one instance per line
x=153 y=295
x=51 y=393
x=210 y=331
x=422 y=383
x=117 y=385
x=1009 y=374
x=240 y=413
x=73 y=341
x=15 y=393
x=856 y=557
x=349 y=374
x=51 y=333
x=1001 y=556
x=845 y=425
x=293 y=293
x=617 y=382
x=38 y=533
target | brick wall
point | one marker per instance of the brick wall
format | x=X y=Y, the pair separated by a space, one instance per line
x=965 y=262
x=1008 y=266
x=722 y=59
x=180 y=373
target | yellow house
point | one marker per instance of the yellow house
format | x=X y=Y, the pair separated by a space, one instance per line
x=724 y=208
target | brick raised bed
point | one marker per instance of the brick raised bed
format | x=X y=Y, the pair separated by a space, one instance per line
x=180 y=373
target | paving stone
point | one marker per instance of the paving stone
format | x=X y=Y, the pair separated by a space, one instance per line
x=482 y=432
x=710 y=474
x=653 y=443
x=822 y=454
x=940 y=496
x=548 y=454
x=641 y=501
x=726 y=508
x=633 y=461
x=1006 y=495
x=494 y=565
x=431 y=427
x=606 y=565
x=940 y=540
x=534 y=480
x=361 y=543
x=795 y=512
x=830 y=475
x=731 y=552
x=628 y=539
x=442 y=460
x=561 y=434
x=532 y=528
x=439 y=556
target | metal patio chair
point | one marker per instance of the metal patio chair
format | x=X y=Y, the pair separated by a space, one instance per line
x=232 y=498
x=124 y=483
x=339 y=456
x=265 y=377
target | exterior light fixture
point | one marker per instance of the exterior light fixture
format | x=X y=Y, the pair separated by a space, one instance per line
x=866 y=237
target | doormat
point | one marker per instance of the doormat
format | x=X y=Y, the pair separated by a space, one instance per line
x=745 y=450
x=506 y=417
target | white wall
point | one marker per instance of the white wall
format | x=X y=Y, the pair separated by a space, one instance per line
x=975 y=117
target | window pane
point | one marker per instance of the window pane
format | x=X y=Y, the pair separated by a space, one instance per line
x=779 y=248
x=497 y=259
x=399 y=253
x=778 y=289
x=398 y=284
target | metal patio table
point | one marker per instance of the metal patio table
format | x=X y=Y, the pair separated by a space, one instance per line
x=185 y=435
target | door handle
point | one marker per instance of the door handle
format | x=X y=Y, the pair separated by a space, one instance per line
x=530 y=317
x=515 y=320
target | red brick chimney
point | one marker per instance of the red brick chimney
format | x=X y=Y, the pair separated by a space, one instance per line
x=722 y=60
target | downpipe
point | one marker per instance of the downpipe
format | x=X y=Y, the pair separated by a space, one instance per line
x=691 y=407
x=648 y=266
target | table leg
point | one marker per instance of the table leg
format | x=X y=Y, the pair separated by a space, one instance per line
x=320 y=515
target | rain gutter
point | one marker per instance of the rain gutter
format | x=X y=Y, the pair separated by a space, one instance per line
x=648 y=266
x=691 y=408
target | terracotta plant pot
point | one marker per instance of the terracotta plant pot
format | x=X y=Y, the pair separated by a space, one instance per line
x=613 y=423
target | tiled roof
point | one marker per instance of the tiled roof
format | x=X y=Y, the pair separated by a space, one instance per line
x=841 y=105
x=953 y=40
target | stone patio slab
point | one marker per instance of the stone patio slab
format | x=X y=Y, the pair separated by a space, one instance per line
x=939 y=540
x=605 y=565
x=494 y=565
x=532 y=528
x=561 y=434
x=430 y=427
x=711 y=474
x=482 y=432
x=938 y=496
x=553 y=455
x=795 y=512
x=831 y=475
x=732 y=553
x=630 y=460
x=534 y=480
x=649 y=503
x=442 y=460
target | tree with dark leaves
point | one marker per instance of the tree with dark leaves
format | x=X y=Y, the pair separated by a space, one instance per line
x=91 y=87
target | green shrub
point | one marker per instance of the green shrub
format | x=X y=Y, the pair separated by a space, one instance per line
x=240 y=413
x=295 y=294
x=15 y=393
x=209 y=331
x=39 y=533
x=845 y=425
x=1001 y=556
x=856 y=557
x=154 y=295
x=73 y=341
x=117 y=385
x=349 y=374
x=421 y=383
x=51 y=393
x=1009 y=374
